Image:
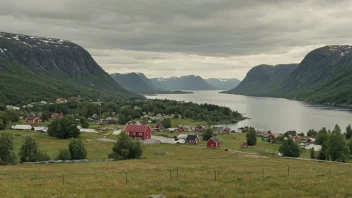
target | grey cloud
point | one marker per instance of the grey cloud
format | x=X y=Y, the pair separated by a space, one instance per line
x=207 y=28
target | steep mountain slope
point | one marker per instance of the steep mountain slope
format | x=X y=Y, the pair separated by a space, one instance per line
x=261 y=79
x=223 y=83
x=323 y=76
x=34 y=68
x=149 y=82
x=190 y=82
x=135 y=82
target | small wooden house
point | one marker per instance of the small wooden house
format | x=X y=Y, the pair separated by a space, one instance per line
x=213 y=143
x=33 y=119
x=138 y=131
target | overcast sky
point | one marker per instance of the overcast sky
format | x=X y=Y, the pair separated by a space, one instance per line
x=210 y=38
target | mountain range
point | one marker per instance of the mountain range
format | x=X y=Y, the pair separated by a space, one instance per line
x=323 y=76
x=35 y=68
x=223 y=83
x=189 y=82
x=136 y=82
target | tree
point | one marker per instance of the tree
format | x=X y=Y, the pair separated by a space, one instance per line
x=166 y=123
x=77 y=149
x=176 y=116
x=348 y=133
x=321 y=138
x=45 y=116
x=337 y=148
x=2 y=126
x=251 y=137
x=29 y=150
x=64 y=128
x=312 y=133
x=84 y=122
x=126 y=148
x=337 y=129
x=64 y=154
x=122 y=119
x=207 y=134
x=289 y=148
x=312 y=154
x=7 y=155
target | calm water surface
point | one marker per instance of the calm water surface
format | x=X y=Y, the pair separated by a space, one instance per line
x=275 y=114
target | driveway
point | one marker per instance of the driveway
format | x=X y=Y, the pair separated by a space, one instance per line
x=158 y=140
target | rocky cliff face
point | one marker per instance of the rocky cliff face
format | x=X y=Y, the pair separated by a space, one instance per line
x=51 y=64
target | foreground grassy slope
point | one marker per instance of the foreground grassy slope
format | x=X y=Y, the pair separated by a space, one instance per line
x=238 y=175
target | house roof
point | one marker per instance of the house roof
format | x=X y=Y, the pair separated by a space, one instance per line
x=215 y=139
x=22 y=127
x=136 y=127
x=191 y=137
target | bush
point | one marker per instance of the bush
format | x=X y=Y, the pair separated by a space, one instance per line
x=289 y=148
x=64 y=128
x=84 y=122
x=207 y=134
x=42 y=157
x=176 y=116
x=126 y=148
x=77 y=149
x=251 y=137
x=7 y=155
x=64 y=154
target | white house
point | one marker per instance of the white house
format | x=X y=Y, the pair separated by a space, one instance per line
x=12 y=107
x=22 y=127
x=41 y=128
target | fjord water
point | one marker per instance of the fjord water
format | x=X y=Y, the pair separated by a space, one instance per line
x=275 y=114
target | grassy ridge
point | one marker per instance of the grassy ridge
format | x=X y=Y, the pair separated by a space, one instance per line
x=238 y=175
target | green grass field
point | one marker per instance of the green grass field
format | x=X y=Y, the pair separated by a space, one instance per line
x=237 y=175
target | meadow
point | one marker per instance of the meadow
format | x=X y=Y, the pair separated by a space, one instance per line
x=185 y=171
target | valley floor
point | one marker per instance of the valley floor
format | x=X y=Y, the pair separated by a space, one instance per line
x=184 y=171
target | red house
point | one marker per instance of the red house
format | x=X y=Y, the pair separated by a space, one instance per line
x=226 y=130
x=33 y=119
x=180 y=129
x=138 y=131
x=57 y=115
x=199 y=128
x=214 y=143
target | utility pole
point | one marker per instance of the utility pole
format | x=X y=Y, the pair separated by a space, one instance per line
x=100 y=111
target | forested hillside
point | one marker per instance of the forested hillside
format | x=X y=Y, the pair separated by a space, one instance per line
x=34 y=68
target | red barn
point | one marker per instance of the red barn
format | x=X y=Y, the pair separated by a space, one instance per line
x=33 y=119
x=138 y=131
x=214 y=143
